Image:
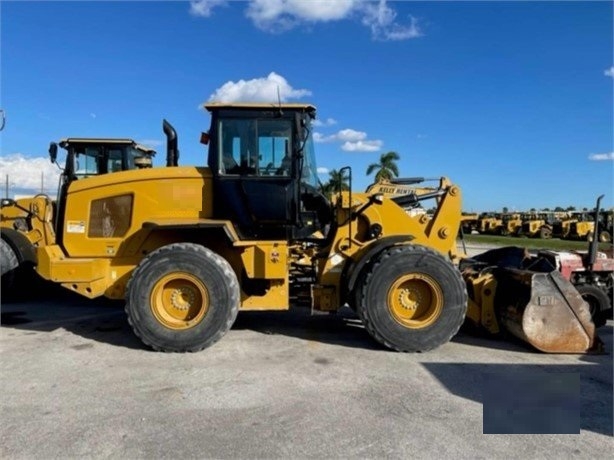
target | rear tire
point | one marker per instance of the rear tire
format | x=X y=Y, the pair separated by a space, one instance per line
x=411 y=298
x=182 y=297
x=604 y=236
x=9 y=263
x=598 y=302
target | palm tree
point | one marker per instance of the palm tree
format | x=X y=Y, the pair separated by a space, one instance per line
x=337 y=181
x=386 y=168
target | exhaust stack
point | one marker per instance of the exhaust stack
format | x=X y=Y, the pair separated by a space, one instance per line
x=172 y=152
x=592 y=248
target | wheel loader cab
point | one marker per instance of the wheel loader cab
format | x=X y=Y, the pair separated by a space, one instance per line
x=88 y=157
x=264 y=171
x=92 y=157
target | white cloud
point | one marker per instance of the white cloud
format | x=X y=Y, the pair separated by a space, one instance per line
x=276 y=16
x=609 y=72
x=280 y=15
x=93 y=115
x=351 y=140
x=381 y=19
x=323 y=170
x=362 y=146
x=25 y=173
x=327 y=122
x=341 y=136
x=601 y=156
x=258 y=90
x=205 y=7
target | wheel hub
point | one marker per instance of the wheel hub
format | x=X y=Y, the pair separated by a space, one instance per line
x=415 y=300
x=179 y=300
x=183 y=298
x=409 y=299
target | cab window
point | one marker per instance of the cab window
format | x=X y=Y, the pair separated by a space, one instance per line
x=114 y=160
x=255 y=147
x=86 y=162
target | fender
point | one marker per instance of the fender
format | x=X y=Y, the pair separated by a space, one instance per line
x=352 y=270
x=24 y=249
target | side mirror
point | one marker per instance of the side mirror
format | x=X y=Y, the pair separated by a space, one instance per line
x=7 y=202
x=204 y=138
x=53 y=151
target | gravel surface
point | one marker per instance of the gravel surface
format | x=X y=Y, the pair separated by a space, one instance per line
x=78 y=384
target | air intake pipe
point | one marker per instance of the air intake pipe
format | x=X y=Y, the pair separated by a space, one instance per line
x=172 y=152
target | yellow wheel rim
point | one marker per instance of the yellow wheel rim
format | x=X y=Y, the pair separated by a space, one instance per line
x=179 y=300
x=415 y=301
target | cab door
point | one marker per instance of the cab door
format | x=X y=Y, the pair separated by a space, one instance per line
x=255 y=184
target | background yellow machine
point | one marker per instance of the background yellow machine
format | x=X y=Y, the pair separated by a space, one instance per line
x=30 y=222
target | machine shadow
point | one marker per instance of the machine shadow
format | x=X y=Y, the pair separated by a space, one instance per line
x=503 y=389
x=52 y=307
x=496 y=384
x=102 y=320
x=342 y=328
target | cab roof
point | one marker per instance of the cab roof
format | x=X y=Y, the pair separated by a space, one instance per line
x=65 y=143
x=212 y=106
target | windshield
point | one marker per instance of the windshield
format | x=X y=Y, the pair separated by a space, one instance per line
x=310 y=170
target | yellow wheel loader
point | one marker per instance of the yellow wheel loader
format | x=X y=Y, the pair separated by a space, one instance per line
x=562 y=227
x=490 y=223
x=536 y=226
x=583 y=228
x=188 y=247
x=510 y=224
x=27 y=223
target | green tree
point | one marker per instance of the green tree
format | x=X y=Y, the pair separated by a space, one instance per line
x=387 y=167
x=337 y=181
x=570 y=208
x=505 y=209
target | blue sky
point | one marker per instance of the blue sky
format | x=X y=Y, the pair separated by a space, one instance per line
x=512 y=100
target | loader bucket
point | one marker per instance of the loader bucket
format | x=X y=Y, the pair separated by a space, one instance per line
x=544 y=310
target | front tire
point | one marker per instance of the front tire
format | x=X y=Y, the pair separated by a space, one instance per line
x=182 y=297
x=412 y=299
